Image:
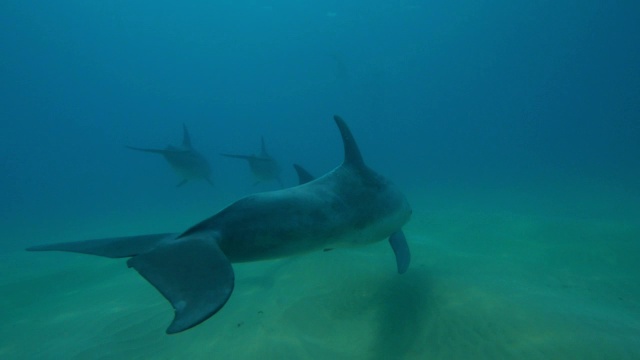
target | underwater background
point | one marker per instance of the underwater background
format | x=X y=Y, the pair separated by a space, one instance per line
x=513 y=129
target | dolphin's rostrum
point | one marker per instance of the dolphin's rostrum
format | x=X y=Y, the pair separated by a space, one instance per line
x=349 y=206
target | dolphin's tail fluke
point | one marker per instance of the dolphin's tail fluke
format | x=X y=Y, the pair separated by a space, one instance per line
x=110 y=247
x=192 y=273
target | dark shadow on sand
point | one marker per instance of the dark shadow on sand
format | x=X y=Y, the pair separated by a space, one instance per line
x=402 y=315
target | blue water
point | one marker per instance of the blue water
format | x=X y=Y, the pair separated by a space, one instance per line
x=536 y=103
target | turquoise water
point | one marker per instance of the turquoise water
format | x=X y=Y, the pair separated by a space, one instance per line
x=512 y=129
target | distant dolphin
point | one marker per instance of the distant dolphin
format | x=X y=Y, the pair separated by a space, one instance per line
x=349 y=206
x=185 y=160
x=263 y=166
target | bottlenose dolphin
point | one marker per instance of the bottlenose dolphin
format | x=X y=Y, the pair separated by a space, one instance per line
x=263 y=166
x=185 y=160
x=349 y=206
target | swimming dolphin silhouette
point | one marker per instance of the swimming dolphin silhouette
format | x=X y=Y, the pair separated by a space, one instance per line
x=349 y=206
x=263 y=167
x=185 y=160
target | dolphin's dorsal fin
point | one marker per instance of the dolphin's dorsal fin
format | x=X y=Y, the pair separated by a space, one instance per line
x=352 y=154
x=263 y=148
x=186 y=139
x=303 y=175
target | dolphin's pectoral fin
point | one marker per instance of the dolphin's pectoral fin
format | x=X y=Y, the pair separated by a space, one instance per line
x=112 y=247
x=193 y=274
x=401 y=249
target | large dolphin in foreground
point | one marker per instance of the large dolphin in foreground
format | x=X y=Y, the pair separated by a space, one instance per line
x=349 y=206
x=185 y=160
x=263 y=166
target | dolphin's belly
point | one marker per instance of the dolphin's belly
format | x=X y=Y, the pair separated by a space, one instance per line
x=279 y=238
x=308 y=218
x=297 y=231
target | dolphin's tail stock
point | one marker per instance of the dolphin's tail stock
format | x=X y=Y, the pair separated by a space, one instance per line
x=155 y=151
x=192 y=272
x=168 y=151
x=110 y=247
x=245 y=157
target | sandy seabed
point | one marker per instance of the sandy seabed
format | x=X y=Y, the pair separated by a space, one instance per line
x=487 y=281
